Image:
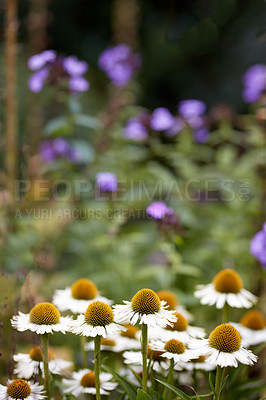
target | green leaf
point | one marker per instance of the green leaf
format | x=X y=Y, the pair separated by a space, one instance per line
x=87 y=121
x=177 y=391
x=210 y=381
x=129 y=387
x=58 y=126
x=141 y=395
x=85 y=150
x=223 y=383
x=155 y=395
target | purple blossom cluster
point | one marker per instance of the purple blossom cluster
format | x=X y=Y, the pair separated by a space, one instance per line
x=52 y=69
x=165 y=217
x=59 y=148
x=254 y=82
x=258 y=246
x=106 y=182
x=119 y=63
x=159 y=210
x=191 y=112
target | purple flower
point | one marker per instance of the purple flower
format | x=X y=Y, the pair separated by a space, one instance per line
x=162 y=119
x=258 y=246
x=177 y=126
x=107 y=181
x=254 y=81
x=191 y=108
x=61 y=147
x=53 y=70
x=46 y=151
x=119 y=63
x=158 y=210
x=201 y=135
x=75 y=67
x=38 y=61
x=135 y=129
x=74 y=156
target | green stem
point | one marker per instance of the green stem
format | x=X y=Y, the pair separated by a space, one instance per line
x=144 y=329
x=225 y=313
x=218 y=382
x=97 y=348
x=45 y=357
x=83 y=341
x=166 y=392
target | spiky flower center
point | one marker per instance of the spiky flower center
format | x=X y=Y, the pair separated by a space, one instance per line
x=174 y=346
x=200 y=359
x=253 y=319
x=155 y=355
x=169 y=297
x=44 y=314
x=19 y=389
x=225 y=338
x=36 y=354
x=130 y=332
x=84 y=289
x=146 y=301
x=99 y=313
x=88 y=380
x=228 y=281
x=180 y=325
x=107 y=342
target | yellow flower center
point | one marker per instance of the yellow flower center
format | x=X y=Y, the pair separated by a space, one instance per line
x=146 y=301
x=200 y=359
x=155 y=355
x=19 y=389
x=174 y=346
x=107 y=342
x=180 y=325
x=228 y=281
x=99 y=313
x=88 y=380
x=169 y=297
x=44 y=314
x=130 y=332
x=225 y=338
x=36 y=354
x=84 y=289
x=253 y=319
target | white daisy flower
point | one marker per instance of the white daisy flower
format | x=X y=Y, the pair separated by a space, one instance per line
x=158 y=362
x=28 y=365
x=19 y=389
x=83 y=381
x=179 y=330
x=172 y=301
x=42 y=318
x=98 y=320
x=78 y=297
x=226 y=287
x=252 y=328
x=172 y=349
x=223 y=347
x=145 y=308
x=198 y=363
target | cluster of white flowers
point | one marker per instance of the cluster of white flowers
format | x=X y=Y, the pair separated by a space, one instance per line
x=171 y=337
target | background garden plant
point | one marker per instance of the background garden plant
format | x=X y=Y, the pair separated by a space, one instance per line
x=121 y=178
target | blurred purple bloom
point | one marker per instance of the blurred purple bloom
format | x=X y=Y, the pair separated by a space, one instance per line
x=40 y=60
x=177 y=126
x=258 y=246
x=162 y=119
x=107 y=181
x=53 y=69
x=74 y=156
x=75 y=67
x=201 y=135
x=61 y=147
x=135 y=129
x=36 y=81
x=78 y=84
x=158 y=210
x=119 y=63
x=46 y=151
x=254 y=81
x=191 y=108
